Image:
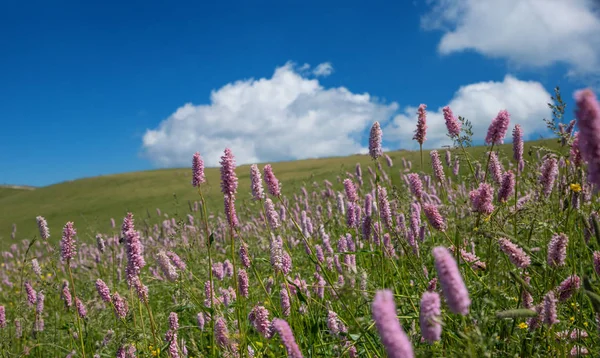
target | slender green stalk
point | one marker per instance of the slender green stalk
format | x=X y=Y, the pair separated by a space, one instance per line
x=75 y=311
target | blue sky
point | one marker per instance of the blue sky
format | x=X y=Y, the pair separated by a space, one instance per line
x=95 y=88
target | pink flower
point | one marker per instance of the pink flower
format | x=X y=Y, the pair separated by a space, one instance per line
x=498 y=128
x=287 y=337
x=416 y=186
x=393 y=337
x=481 y=199
x=430 y=317
x=588 y=121
x=507 y=187
x=515 y=254
x=43 y=227
x=197 y=170
x=421 y=131
x=67 y=243
x=375 y=141
x=103 y=290
x=453 y=286
x=229 y=180
x=557 y=250
x=258 y=192
x=272 y=183
x=452 y=123
x=433 y=216
x=436 y=163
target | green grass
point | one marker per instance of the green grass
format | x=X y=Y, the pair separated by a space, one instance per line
x=9 y=190
x=91 y=202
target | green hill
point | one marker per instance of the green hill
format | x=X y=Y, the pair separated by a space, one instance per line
x=91 y=202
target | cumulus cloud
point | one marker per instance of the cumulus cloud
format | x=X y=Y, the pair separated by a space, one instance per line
x=526 y=101
x=532 y=33
x=324 y=69
x=288 y=116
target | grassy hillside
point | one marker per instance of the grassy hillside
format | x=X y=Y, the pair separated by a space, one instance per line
x=91 y=202
x=8 y=190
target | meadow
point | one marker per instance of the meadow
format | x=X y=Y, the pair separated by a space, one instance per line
x=489 y=251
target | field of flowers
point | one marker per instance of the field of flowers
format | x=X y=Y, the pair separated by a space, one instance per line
x=503 y=261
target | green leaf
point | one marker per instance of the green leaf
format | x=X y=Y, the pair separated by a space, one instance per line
x=516 y=313
x=595 y=300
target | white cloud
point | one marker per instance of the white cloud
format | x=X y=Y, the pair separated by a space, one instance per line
x=287 y=116
x=525 y=101
x=324 y=69
x=532 y=33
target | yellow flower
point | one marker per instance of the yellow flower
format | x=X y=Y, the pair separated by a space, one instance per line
x=572 y=319
x=523 y=325
x=567 y=162
x=585 y=324
x=487 y=218
x=576 y=187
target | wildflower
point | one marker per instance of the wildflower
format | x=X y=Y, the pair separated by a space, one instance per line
x=416 y=186
x=100 y=243
x=221 y=332
x=430 y=317
x=43 y=227
x=515 y=254
x=35 y=266
x=557 y=250
x=285 y=302
x=550 y=316
x=597 y=262
x=568 y=287
x=393 y=337
x=2 y=317
x=259 y=318
x=436 y=163
x=273 y=183
x=244 y=256
x=507 y=187
x=498 y=128
x=67 y=243
x=420 y=132
x=103 y=290
x=588 y=121
x=287 y=337
x=165 y=264
x=523 y=325
x=384 y=207
x=350 y=190
x=66 y=294
x=375 y=141
x=518 y=145
x=176 y=260
x=243 y=283
x=495 y=167
x=81 y=310
x=133 y=247
x=481 y=199
x=197 y=170
x=453 y=286
x=230 y=212
x=452 y=124
x=272 y=216
x=576 y=188
x=258 y=192
x=31 y=294
x=120 y=305
x=229 y=181
x=549 y=173
x=433 y=216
